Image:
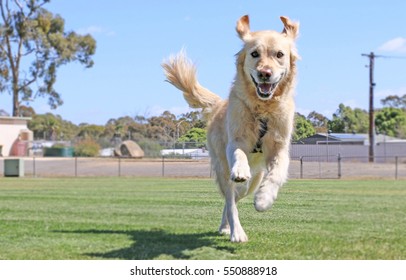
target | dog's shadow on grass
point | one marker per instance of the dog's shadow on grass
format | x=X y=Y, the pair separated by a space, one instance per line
x=159 y=244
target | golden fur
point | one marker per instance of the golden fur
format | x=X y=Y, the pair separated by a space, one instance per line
x=262 y=92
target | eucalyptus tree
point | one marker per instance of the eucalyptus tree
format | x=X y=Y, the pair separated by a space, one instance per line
x=33 y=45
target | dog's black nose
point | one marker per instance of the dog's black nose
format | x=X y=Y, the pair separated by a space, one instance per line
x=264 y=74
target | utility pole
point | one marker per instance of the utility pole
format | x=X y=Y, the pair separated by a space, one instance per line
x=371 y=57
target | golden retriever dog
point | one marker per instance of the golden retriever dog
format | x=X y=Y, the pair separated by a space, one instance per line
x=248 y=134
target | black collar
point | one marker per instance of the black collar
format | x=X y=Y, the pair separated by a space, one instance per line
x=262 y=131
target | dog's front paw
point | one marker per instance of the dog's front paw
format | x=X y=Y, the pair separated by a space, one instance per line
x=238 y=236
x=240 y=173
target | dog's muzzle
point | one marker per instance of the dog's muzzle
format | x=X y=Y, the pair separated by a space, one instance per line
x=265 y=89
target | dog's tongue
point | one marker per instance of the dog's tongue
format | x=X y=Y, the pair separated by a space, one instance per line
x=265 y=88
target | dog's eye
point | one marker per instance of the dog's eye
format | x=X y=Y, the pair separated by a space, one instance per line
x=255 y=54
x=280 y=54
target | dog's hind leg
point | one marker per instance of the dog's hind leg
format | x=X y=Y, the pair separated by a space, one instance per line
x=224 y=226
x=237 y=233
x=276 y=177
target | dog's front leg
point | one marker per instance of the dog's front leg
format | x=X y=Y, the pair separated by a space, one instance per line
x=237 y=233
x=238 y=163
x=277 y=174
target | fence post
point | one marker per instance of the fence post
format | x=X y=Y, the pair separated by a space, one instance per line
x=119 y=166
x=301 y=167
x=76 y=166
x=339 y=165
x=163 y=166
x=34 y=172
x=396 y=167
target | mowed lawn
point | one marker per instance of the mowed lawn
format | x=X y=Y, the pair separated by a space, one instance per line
x=157 y=218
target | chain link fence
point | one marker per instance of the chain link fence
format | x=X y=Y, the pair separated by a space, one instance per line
x=306 y=167
x=351 y=168
x=99 y=166
x=192 y=160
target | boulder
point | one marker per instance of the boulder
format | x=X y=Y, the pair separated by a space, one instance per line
x=129 y=149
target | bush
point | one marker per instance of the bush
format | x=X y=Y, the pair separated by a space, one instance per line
x=61 y=145
x=151 y=148
x=87 y=148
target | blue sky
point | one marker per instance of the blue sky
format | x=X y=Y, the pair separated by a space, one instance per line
x=134 y=37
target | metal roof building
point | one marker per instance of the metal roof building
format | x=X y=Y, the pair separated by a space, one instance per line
x=347 y=139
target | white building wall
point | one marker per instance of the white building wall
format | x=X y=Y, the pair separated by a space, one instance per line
x=10 y=129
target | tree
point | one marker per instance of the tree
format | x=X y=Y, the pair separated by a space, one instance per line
x=51 y=127
x=303 y=128
x=391 y=122
x=195 y=137
x=123 y=128
x=90 y=131
x=194 y=119
x=318 y=121
x=394 y=101
x=27 y=111
x=31 y=34
x=45 y=126
x=163 y=127
x=348 y=120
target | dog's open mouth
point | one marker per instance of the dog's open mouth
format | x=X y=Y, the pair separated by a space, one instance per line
x=265 y=90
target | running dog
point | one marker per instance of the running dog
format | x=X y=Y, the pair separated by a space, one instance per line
x=248 y=134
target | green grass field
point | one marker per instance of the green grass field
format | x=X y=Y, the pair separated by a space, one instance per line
x=154 y=218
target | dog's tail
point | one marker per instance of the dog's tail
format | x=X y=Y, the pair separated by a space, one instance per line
x=181 y=73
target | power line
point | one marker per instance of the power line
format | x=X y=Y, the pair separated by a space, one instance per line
x=391 y=56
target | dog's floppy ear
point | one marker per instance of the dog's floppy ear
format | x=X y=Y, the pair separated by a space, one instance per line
x=243 y=28
x=290 y=28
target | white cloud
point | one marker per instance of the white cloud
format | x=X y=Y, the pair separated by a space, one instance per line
x=397 y=45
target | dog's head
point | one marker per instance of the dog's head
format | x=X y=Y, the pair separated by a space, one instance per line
x=267 y=56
